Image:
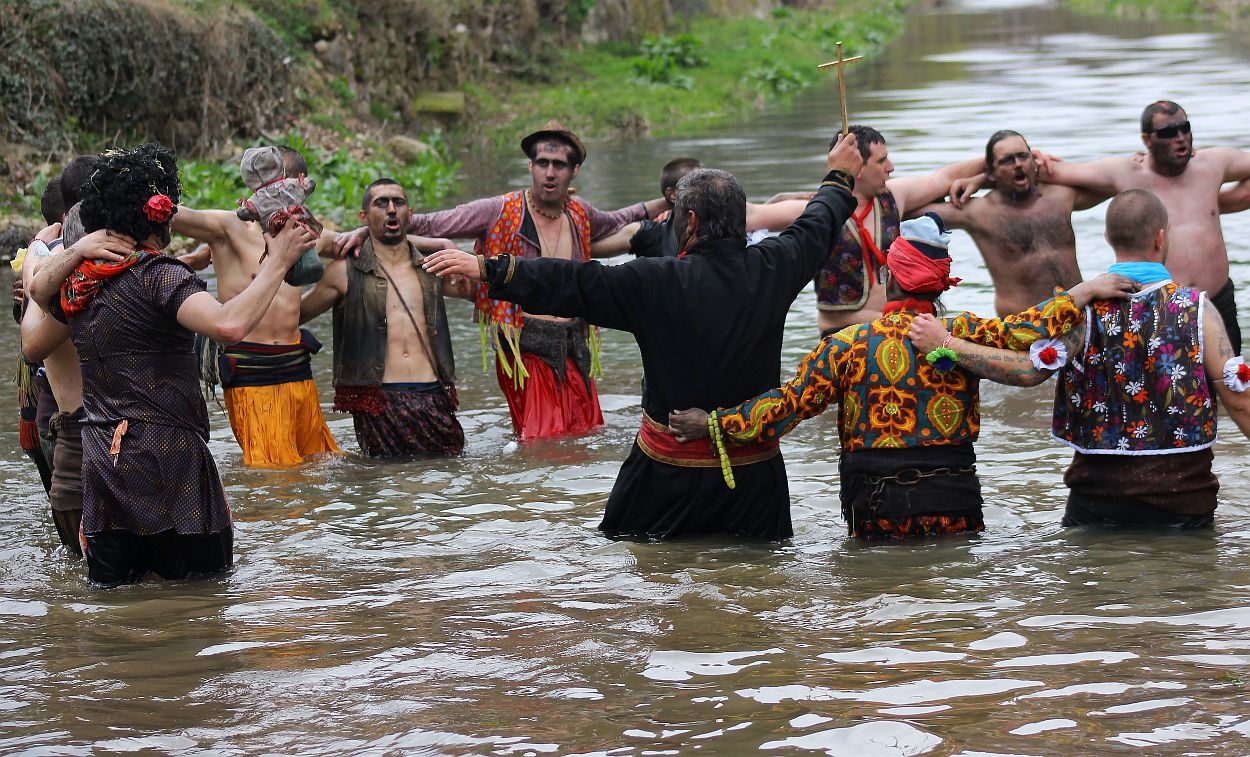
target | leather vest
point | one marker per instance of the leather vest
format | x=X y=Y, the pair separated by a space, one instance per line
x=360 y=323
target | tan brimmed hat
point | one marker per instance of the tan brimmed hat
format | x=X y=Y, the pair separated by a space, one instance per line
x=554 y=130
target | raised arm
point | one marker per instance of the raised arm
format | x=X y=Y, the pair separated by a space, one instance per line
x=209 y=226
x=952 y=217
x=1003 y=366
x=230 y=322
x=1217 y=351
x=1101 y=177
x=913 y=191
x=1052 y=318
x=41 y=335
x=615 y=244
x=1236 y=198
x=98 y=245
x=326 y=293
x=774 y=413
x=775 y=216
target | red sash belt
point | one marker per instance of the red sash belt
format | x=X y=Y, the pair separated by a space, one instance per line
x=661 y=446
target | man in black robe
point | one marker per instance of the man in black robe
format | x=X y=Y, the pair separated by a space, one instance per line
x=709 y=326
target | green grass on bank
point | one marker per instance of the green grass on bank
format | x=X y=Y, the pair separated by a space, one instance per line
x=713 y=69
x=1235 y=12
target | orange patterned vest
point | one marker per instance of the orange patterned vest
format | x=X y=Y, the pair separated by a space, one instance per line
x=504 y=238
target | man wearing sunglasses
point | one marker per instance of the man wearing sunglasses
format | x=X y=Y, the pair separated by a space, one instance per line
x=1188 y=183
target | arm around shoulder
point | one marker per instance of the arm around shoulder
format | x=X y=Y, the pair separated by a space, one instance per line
x=326 y=293
x=1223 y=368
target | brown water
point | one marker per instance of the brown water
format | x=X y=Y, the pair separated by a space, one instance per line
x=469 y=606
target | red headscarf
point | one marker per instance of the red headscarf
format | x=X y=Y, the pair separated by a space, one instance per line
x=917 y=272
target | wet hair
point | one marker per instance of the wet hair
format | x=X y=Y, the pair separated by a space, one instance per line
x=1166 y=107
x=385 y=181
x=674 y=170
x=1133 y=219
x=293 y=162
x=74 y=179
x=718 y=201
x=72 y=229
x=995 y=138
x=574 y=155
x=121 y=185
x=865 y=137
x=50 y=203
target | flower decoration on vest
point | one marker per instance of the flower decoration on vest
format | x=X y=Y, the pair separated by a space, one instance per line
x=158 y=208
x=1237 y=374
x=1048 y=354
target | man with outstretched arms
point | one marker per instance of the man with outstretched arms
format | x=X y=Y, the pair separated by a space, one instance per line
x=393 y=365
x=1023 y=229
x=1188 y=183
x=709 y=326
x=1133 y=398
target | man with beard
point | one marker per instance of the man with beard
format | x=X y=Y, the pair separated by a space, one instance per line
x=1188 y=184
x=544 y=365
x=1023 y=230
x=393 y=365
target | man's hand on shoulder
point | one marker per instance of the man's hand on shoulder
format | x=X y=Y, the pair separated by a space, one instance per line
x=1107 y=286
x=199 y=258
x=453 y=262
x=349 y=242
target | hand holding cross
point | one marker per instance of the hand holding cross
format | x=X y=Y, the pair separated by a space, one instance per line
x=841 y=64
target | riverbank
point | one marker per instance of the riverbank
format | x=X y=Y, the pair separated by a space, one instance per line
x=702 y=71
x=1232 y=12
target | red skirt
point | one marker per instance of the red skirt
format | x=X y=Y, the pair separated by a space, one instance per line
x=546 y=407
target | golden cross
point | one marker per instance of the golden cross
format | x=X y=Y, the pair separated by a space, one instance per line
x=841 y=64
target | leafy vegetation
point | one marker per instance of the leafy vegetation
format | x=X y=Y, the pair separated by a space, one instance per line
x=715 y=69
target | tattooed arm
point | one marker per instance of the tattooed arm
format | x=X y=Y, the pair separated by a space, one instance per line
x=999 y=365
x=1217 y=351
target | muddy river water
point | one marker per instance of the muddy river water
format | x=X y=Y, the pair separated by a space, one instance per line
x=470 y=606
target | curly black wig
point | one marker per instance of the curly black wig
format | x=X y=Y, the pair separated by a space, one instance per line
x=121 y=185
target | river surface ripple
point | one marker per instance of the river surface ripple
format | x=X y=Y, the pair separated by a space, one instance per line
x=469 y=607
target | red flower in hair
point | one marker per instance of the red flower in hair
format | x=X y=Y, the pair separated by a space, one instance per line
x=1243 y=372
x=1048 y=355
x=158 y=208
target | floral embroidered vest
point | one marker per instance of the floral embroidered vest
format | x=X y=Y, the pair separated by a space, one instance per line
x=506 y=318
x=845 y=279
x=1139 y=387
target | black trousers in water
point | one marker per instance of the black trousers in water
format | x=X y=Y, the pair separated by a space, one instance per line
x=1226 y=305
x=1119 y=511
x=654 y=500
x=120 y=557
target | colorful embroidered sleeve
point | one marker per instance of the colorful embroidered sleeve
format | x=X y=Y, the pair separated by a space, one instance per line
x=774 y=413
x=1052 y=318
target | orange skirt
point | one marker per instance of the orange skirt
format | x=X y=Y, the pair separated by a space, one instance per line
x=278 y=425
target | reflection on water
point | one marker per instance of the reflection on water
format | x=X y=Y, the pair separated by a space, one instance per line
x=469 y=607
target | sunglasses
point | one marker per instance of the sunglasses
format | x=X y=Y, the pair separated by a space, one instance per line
x=1168 y=132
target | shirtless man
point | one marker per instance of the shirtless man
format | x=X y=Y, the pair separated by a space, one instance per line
x=1023 y=230
x=267 y=378
x=393 y=364
x=847 y=291
x=47 y=340
x=1188 y=183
